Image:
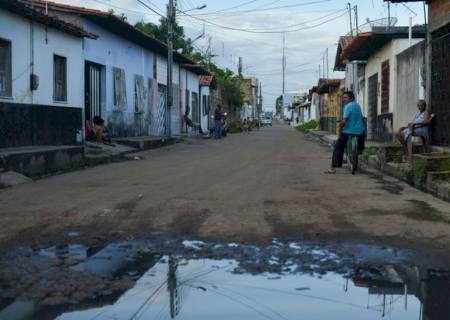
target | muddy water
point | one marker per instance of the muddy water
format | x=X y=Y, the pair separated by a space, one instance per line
x=197 y=280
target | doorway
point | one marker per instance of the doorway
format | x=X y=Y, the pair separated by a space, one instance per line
x=93 y=95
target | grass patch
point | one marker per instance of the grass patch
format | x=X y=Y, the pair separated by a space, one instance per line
x=425 y=212
x=306 y=126
x=94 y=152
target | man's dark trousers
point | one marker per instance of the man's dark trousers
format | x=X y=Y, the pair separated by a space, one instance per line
x=339 y=148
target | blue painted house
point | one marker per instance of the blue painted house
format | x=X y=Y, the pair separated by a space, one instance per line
x=125 y=75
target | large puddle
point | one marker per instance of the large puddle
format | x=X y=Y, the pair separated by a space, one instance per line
x=196 y=280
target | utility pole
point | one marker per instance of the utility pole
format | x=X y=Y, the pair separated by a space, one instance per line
x=389 y=14
x=356 y=19
x=350 y=17
x=320 y=74
x=209 y=51
x=169 y=95
x=328 y=69
x=259 y=101
x=240 y=67
x=284 y=60
x=323 y=65
x=172 y=288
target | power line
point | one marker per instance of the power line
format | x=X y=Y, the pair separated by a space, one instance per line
x=150 y=8
x=230 y=8
x=108 y=4
x=269 y=31
x=271 y=8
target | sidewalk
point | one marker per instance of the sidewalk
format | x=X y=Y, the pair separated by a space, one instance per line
x=427 y=172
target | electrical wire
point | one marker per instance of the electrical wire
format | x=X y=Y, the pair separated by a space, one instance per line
x=267 y=31
x=150 y=8
x=271 y=8
x=230 y=8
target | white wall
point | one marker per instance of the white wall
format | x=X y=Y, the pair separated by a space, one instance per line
x=389 y=51
x=46 y=43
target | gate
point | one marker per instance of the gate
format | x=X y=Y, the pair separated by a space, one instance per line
x=159 y=115
x=175 y=112
x=372 y=133
x=440 y=84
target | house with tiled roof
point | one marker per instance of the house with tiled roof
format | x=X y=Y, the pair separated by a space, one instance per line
x=380 y=49
x=40 y=64
x=125 y=75
x=330 y=107
x=207 y=86
x=41 y=90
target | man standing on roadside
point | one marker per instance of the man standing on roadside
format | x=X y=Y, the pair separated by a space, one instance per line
x=218 y=122
x=351 y=124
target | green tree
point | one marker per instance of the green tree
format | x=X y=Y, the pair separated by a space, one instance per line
x=229 y=83
x=159 y=31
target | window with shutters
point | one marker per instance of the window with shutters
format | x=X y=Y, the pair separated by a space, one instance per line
x=59 y=78
x=120 y=92
x=385 y=87
x=5 y=69
x=139 y=94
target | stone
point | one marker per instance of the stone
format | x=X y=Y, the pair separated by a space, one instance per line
x=12 y=178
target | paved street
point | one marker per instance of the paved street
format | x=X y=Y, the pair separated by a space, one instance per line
x=243 y=188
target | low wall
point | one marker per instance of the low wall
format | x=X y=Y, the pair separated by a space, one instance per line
x=41 y=160
x=29 y=125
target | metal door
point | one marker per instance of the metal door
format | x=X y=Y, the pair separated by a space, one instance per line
x=372 y=133
x=440 y=85
x=92 y=91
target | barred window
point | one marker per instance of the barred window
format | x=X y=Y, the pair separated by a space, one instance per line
x=5 y=68
x=59 y=78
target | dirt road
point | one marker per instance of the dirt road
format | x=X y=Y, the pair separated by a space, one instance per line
x=243 y=188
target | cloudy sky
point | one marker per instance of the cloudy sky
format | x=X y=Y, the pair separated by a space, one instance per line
x=253 y=29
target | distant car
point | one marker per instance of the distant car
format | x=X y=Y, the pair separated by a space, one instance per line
x=266 y=121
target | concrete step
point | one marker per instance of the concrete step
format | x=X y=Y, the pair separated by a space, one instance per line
x=145 y=143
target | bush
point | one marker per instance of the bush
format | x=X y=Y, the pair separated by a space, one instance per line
x=234 y=128
x=307 y=126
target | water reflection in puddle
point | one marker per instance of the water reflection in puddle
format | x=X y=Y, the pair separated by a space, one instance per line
x=208 y=289
x=199 y=280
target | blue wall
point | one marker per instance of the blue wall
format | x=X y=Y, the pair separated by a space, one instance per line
x=112 y=51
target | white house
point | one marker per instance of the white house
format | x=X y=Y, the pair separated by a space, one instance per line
x=41 y=77
x=207 y=84
x=380 y=49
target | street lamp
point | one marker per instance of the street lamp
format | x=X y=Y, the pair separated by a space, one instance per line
x=203 y=6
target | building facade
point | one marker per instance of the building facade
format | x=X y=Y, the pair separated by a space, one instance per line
x=41 y=78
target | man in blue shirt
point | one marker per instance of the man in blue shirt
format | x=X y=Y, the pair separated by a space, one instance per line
x=351 y=124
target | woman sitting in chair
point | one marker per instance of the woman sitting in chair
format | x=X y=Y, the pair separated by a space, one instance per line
x=418 y=128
